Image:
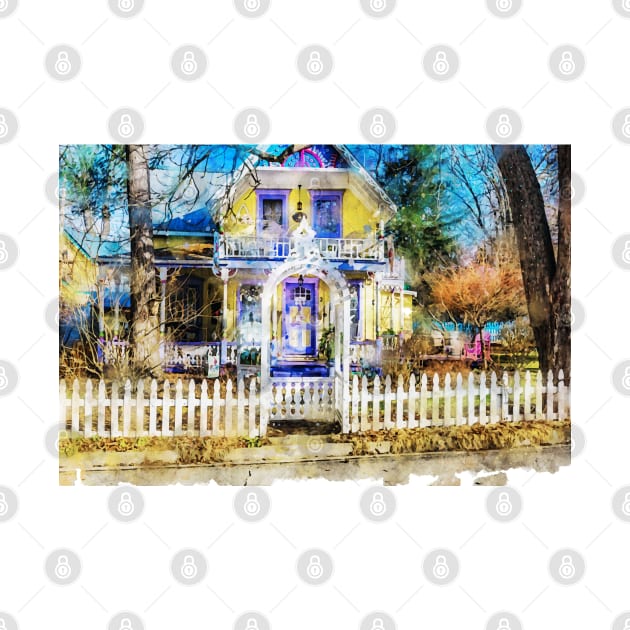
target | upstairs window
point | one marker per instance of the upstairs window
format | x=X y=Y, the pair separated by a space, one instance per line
x=326 y=213
x=272 y=212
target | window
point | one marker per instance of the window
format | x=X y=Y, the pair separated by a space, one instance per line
x=355 y=311
x=301 y=295
x=272 y=212
x=326 y=213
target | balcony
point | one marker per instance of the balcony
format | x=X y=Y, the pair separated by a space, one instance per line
x=228 y=248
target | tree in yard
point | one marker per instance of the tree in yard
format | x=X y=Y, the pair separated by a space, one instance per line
x=546 y=271
x=477 y=294
x=144 y=292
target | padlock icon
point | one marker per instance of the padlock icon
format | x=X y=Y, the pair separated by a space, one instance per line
x=252 y=5
x=4 y=506
x=504 y=126
x=626 y=378
x=62 y=569
x=4 y=128
x=503 y=624
x=378 y=624
x=625 y=254
x=4 y=380
x=252 y=126
x=3 y=6
x=252 y=624
x=314 y=64
x=626 y=7
x=252 y=504
x=378 y=5
x=567 y=568
x=189 y=63
x=625 y=129
x=377 y=504
x=125 y=505
x=625 y=506
x=126 y=5
x=504 y=5
x=440 y=568
x=440 y=63
x=189 y=569
x=3 y=623
x=125 y=126
x=567 y=63
x=63 y=65
x=378 y=128
x=4 y=254
x=626 y=625
x=314 y=569
x=504 y=505
x=125 y=624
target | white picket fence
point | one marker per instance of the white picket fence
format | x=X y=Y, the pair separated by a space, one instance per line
x=202 y=409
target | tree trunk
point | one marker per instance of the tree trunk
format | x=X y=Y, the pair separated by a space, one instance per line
x=535 y=248
x=546 y=282
x=561 y=285
x=145 y=300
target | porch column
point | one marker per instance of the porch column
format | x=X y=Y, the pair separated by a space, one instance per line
x=402 y=309
x=265 y=379
x=345 y=358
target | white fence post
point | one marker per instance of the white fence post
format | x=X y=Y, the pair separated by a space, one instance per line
x=471 y=398
x=113 y=410
x=216 y=408
x=516 y=403
x=400 y=397
x=561 y=395
x=411 y=403
x=483 y=393
x=153 y=404
x=354 y=416
x=88 y=401
x=550 y=390
x=539 y=396
x=127 y=409
x=364 y=404
x=387 y=418
x=100 y=408
x=527 y=396
x=435 y=400
x=459 y=400
x=253 y=432
x=203 y=409
x=424 y=394
x=228 y=409
x=376 y=404
x=448 y=396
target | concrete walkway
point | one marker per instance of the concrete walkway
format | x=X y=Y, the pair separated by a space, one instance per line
x=391 y=469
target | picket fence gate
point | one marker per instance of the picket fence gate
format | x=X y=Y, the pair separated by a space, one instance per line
x=200 y=409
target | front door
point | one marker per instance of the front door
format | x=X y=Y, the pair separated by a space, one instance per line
x=300 y=315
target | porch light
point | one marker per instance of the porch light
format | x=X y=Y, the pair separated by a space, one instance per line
x=301 y=281
x=299 y=215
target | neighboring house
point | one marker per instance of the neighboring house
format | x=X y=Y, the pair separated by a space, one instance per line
x=299 y=254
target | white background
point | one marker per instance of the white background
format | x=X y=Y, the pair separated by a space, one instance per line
x=378 y=63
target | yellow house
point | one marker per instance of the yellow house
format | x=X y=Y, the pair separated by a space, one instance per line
x=293 y=272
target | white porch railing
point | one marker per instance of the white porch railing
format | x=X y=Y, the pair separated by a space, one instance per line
x=228 y=246
x=207 y=408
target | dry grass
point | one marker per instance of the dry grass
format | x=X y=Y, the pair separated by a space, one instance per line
x=502 y=435
x=190 y=450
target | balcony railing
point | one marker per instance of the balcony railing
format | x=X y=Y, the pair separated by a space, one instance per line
x=250 y=247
